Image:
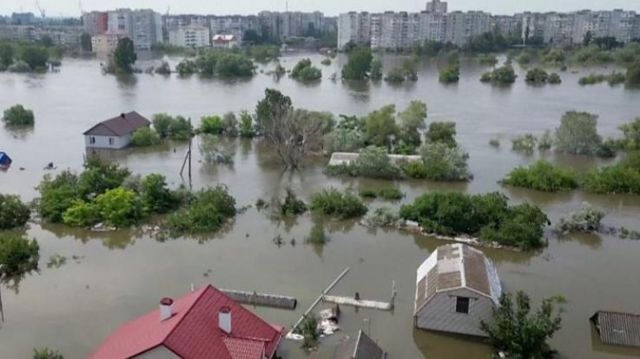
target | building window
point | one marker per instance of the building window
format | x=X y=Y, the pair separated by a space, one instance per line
x=111 y=140
x=462 y=305
x=92 y=140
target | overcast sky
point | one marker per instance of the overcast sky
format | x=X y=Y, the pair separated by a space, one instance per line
x=329 y=7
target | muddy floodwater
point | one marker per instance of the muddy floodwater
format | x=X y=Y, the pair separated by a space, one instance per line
x=109 y=278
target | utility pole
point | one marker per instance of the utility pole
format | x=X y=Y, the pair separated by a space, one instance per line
x=187 y=157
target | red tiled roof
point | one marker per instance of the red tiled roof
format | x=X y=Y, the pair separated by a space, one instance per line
x=193 y=333
x=124 y=124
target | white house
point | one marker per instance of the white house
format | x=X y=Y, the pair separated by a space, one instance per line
x=224 y=41
x=115 y=133
x=457 y=287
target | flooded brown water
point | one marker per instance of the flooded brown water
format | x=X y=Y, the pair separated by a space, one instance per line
x=118 y=276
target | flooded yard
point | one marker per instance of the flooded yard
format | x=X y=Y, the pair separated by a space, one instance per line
x=112 y=277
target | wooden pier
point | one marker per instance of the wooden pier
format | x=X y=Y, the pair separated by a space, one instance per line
x=262 y=299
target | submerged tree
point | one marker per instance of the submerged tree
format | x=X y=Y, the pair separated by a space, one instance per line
x=125 y=56
x=519 y=333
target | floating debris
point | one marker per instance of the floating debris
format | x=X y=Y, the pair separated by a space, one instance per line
x=56 y=261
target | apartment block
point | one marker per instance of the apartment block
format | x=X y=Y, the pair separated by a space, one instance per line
x=194 y=36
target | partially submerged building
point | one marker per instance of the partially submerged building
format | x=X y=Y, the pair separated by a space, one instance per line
x=115 y=133
x=361 y=347
x=457 y=287
x=201 y=325
x=617 y=328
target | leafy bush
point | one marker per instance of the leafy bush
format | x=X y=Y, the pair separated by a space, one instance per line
x=449 y=74
x=46 y=353
x=305 y=71
x=343 y=140
x=18 y=116
x=542 y=176
x=633 y=74
x=156 y=197
x=207 y=212
x=537 y=76
x=554 y=78
x=623 y=177
x=502 y=76
x=376 y=69
x=100 y=176
x=292 y=206
x=546 y=141
x=145 y=136
x=445 y=163
x=176 y=128
x=57 y=195
x=13 y=213
x=119 y=207
x=631 y=132
x=19 y=67
x=578 y=134
x=214 y=152
x=487 y=216
x=442 y=132
x=487 y=59
x=614 y=78
x=163 y=69
x=373 y=162
x=358 y=65
x=382 y=217
x=387 y=193
x=494 y=142
x=17 y=255
x=246 y=127
x=332 y=202
x=586 y=219
x=212 y=125
x=395 y=75
x=81 y=214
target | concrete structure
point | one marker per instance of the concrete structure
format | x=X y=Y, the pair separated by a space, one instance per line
x=284 y=25
x=345 y=158
x=115 y=133
x=143 y=27
x=95 y=22
x=354 y=28
x=457 y=287
x=104 y=45
x=203 y=324
x=235 y=25
x=437 y=6
x=194 y=36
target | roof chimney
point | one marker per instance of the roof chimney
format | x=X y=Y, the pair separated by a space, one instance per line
x=122 y=115
x=224 y=319
x=166 y=308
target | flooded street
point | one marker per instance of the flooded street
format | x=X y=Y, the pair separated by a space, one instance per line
x=114 y=277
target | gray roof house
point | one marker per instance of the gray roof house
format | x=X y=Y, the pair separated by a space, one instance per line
x=361 y=347
x=618 y=328
x=457 y=287
x=115 y=133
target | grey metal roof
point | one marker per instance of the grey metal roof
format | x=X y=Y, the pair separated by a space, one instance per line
x=362 y=347
x=124 y=124
x=618 y=328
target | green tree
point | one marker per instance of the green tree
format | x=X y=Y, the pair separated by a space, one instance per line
x=542 y=176
x=578 y=134
x=13 y=213
x=46 y=353
x=156 y=196
x=246 y=127
x=35 y=56
x=412 y=121
x=633 y=74
x=145 y=136
x=358 y=65
x=57 y=195
x=125 y=56
x=631 y=131
x=119 y=207
x=234 y=65
x=85 y=42
x=7 y=53
x=162 y=123
x=537 y=76
x=380 y=127
x=445 y=163
x=212 y=125
x=519 y=333
x=343 y=140
x=376 y=69
x=449 y=74
x=81 y=214
x=305 y=71
x=442 y=132
x=17 y=255
x=207 y=212
x=100 y=176
x=343 y=205
x=18 y=116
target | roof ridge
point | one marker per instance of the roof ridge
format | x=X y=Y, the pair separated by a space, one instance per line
x=184 y=315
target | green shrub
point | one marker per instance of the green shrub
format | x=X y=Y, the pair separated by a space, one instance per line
x=100 y=176
x=57 y=195
x=343 y=140
x=449 y=74
x=542 y=176
x=414 y=169
x=613 y=179
x=326 y=61
x=554 y=79
x=395 y=75
x=18 y=116
x=442 y=132
x=578 y=134
x=332 y=202
x=537 y=76
x=246 y=127
x=546 y=141
x=292 y=206
x=145 y=136
x=487 y=59
x=13 y=213
x=501 y=76
x=390 y=194
x=81 y=214
x=212 y=125
x=373 y=162
x=633 y=74
x=17 y=255
x=586 y=219
x=525 y=143
x=368 y=193
x=19 y=67
x=616 y=78
x=176 y=128
x=119 y=207
x=305 y=71
x=207 y=212
x=487 y=216
x=631 y=131
x=494 y=142
x=46 y=353
x=156 y=196
x=382 y=217
x=444 y=163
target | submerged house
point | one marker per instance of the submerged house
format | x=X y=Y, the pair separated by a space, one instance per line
x=203 y=324
x=361 y=347
x=5 y=160
x=457 y=287
x=115 y=133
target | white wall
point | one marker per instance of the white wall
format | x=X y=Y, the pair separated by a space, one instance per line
x=103 y=141
x=440 y=313
x=160 y=352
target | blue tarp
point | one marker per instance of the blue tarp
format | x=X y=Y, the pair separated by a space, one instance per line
x=5 y=160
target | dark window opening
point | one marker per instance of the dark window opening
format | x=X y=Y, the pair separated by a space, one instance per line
x=462 y=305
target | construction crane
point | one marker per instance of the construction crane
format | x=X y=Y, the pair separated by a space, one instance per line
x=40 y=9
x=80 y=6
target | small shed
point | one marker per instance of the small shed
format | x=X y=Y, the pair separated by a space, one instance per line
x=457 y=287
x=5 y=160
x=115 y=133
x=618 y=328
x=362 y=347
